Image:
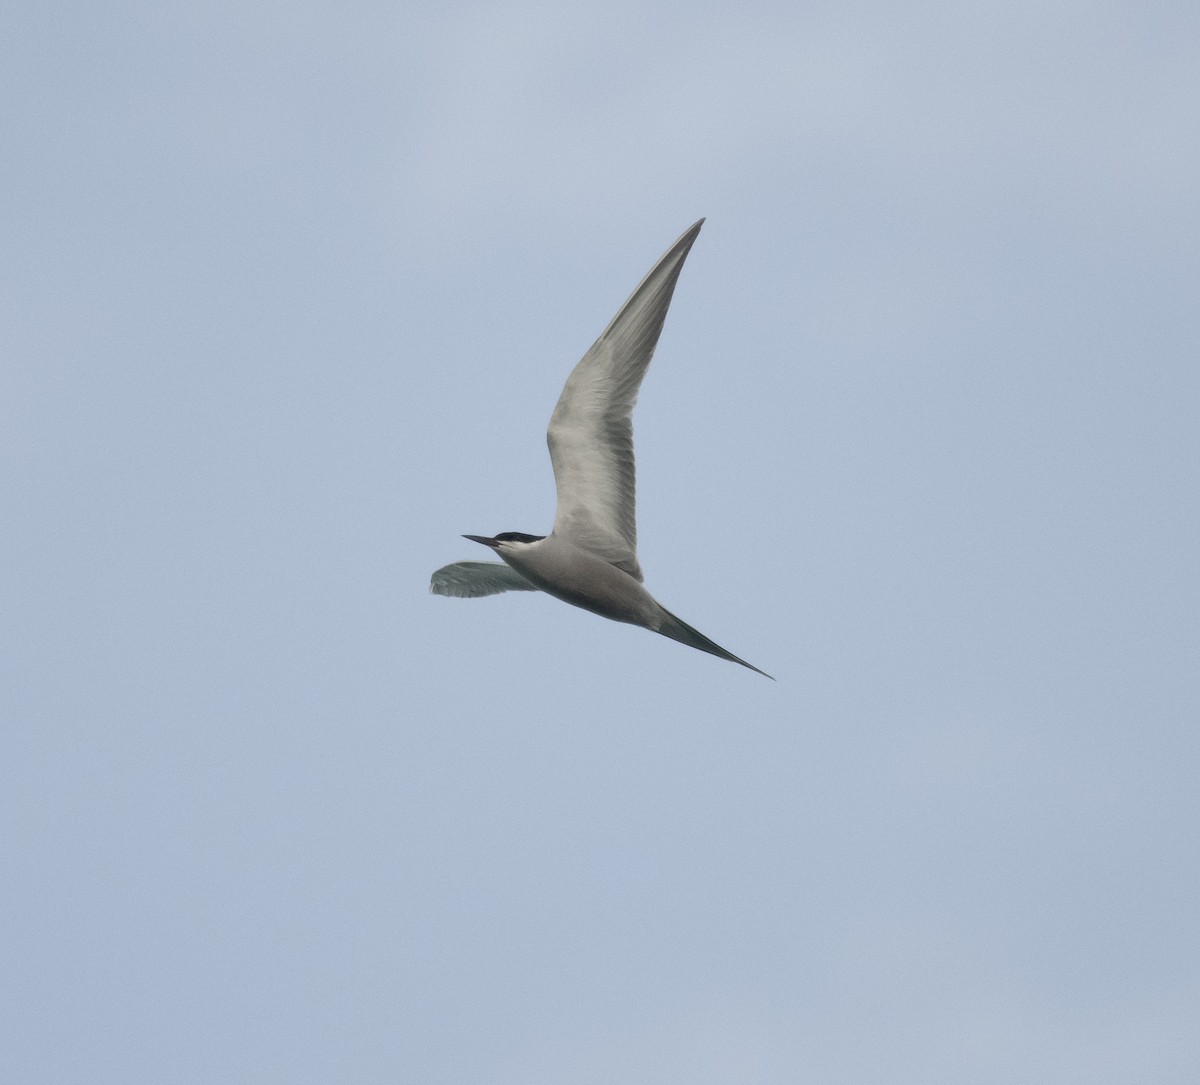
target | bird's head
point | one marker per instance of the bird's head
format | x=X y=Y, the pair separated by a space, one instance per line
x=506 y=540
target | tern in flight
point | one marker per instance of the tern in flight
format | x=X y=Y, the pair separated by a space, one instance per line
x=589 y=559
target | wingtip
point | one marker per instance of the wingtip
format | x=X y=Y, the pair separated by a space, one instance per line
x=682 y=246
x=677 y=629
x=751 y=666
x=685 y=239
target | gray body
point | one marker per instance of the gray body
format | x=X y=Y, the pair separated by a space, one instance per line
x=590 y=557
x=577 y=576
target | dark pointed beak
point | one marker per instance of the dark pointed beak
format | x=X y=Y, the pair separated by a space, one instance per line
x=482 y=539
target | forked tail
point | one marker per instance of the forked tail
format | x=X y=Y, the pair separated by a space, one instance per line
x=678 y=630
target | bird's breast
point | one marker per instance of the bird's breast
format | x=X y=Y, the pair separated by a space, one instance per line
x=579 y=577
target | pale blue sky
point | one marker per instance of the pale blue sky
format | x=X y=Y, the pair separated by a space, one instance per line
x=289 y=291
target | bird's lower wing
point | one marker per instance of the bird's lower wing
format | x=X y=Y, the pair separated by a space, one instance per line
x=473 y=579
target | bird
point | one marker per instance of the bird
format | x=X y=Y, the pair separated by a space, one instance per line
x=589 y=559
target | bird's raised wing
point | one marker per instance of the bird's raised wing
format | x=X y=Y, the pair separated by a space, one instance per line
x=472 y=579
x=591 y=430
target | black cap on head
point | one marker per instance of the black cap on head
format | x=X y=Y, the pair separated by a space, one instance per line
x=504 y=536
